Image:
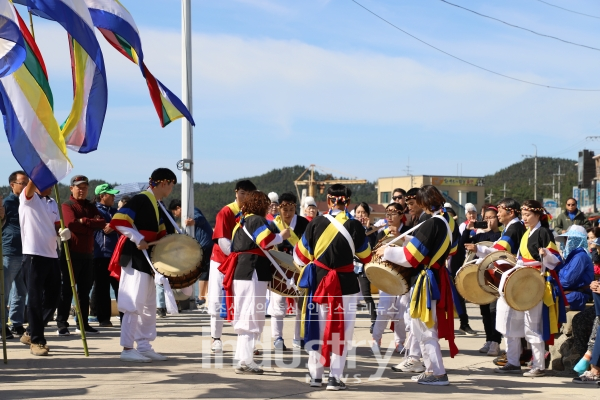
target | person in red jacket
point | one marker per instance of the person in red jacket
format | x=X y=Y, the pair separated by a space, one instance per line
x=82 y=218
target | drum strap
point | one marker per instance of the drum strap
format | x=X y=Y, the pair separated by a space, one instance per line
x=162 y=280
x=343 y=231
x=168 y=214
x=288 y=282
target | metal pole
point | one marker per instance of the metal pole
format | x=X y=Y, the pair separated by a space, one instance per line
x=535 y=174
x=187 y=143
x=71 y=276
x=2 y=296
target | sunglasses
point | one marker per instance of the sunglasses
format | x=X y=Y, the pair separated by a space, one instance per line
x=397 y=197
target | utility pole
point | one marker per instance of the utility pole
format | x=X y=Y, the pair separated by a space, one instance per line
x=490 y=196
x=552 y=184
x=535 y=174
x=504 y=190
x=559 y=175
x=408 y=172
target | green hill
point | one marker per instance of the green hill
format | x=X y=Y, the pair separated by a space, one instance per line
x=519 y=179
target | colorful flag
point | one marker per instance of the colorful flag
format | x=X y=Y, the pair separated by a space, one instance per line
x=82 y=128
x=118 y=27
x=12 y=45
x=27 y=106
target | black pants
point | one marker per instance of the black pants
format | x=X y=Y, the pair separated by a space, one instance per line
x=84 y=277
x=42 y=279
x=464 y=317
x=365 y=288
x=101 y=304
x=488 y=315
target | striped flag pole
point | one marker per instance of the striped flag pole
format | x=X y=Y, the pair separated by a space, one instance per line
x=2 y=296
x=67 y=253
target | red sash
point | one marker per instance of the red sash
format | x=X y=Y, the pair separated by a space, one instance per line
x=445 y=310
x=329 y=292
x=114 y=266
x=228 y=269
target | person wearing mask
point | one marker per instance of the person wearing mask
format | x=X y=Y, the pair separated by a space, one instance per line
x=310 y=208
x=203 y=233
x=578 y=269
x=104 y=246
x=362 y=213
x=274 y=207
x=488 y=312
x=12 y=256
x=571 y=216
x=40 y=221
x=226 y=221
x=82 y=218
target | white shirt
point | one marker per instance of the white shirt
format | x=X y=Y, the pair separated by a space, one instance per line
x=37 y=217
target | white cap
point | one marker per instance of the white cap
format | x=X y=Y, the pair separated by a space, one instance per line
x=470 y=207
x=273 y=197
x=309 y=201
x=447 y=205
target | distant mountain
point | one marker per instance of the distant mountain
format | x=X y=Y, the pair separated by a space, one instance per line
x=519 y=179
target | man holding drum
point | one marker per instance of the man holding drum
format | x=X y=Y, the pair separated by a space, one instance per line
x=140 y=221
x=328 y=248
x=537 y=249
x=286 y=218
x=227 y=218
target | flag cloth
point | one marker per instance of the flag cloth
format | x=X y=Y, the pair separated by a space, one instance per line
x=12 y=45
x=83 y=126
x=33 y=133
x=118 y=27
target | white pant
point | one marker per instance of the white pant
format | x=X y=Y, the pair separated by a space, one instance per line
x=429 y=343
x=337 y=361
x=214 y=299
x=412 y=345
x=513 y=353
x=137 y=302
x=390 y=308
x=248 y=315
x=276 y=305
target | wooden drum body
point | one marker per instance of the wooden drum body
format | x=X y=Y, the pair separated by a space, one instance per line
x=178 y=258
x=468 y=286
x=278 y=283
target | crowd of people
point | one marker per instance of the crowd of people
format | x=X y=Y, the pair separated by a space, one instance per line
x=107 y=247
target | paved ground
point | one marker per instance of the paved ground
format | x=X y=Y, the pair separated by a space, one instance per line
x=193 y=372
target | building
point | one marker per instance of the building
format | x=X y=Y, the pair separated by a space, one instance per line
x=458 y=190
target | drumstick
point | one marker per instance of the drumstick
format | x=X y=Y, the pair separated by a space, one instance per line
x=375 y=229
x=403 y=235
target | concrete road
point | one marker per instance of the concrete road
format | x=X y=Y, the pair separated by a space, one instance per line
x=193 y=372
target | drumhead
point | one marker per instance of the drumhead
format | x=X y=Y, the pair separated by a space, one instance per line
x=471 y=255
x=386 y=279
x=468 y=286
x=487 y=261
x=176 y=255
x=524 y=288
x=285 y=260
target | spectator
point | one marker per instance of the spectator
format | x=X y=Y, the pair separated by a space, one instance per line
x=274 y=207
x=203 y=233
x=571 y=216
x=12 y=256
x=39 y=219
x=578 y=269
x=362 y=213
x=83 y=219
x=123 y=201
x=310 y=208
x=450 y=211
x=593 y=243
x=471 y=215
x=104 y=245
x=399 y=196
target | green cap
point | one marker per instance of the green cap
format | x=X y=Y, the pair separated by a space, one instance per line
x=105 y=188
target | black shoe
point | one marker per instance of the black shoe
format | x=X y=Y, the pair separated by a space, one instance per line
x=466 y=329
x=105 y=324
x=88 y=330
x=17 y=330
x=161 y=312
x=9 y=334
x=371 y=329
x=63 y=332
x=334 y=384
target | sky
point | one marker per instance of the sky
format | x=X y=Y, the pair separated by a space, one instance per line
x=279 y=83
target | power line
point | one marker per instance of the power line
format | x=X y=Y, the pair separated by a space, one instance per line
x=566 y=9
x=520 y=27
x=470 y=63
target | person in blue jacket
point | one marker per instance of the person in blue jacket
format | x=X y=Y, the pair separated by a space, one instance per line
x=203 y=233
x=578 y=269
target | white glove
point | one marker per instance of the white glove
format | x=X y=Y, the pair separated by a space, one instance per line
x=65 y=234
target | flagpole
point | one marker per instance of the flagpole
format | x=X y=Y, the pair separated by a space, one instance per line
x=66 y=250
x=187 y=143
x=2 y=297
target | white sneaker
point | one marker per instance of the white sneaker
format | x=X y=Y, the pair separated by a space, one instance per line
x=217 y=346
x=151 y=354
x=375 y=347
x=485 y=348
x=278 y=344
x=409 y=365
x=134 y=356
x=296 y=344
x=494 y=349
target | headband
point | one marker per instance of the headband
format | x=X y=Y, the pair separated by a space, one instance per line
x=515 y=210
x=492 y=208
x=338 y=199
x=156 y=182
x=412 y=197
x=287 y=203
